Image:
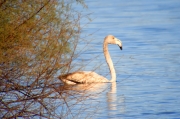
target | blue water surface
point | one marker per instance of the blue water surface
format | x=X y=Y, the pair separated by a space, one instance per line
x=148 y=67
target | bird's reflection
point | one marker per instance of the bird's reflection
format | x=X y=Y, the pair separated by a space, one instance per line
x=116 y=104
x=112 y=97
x=115 y=101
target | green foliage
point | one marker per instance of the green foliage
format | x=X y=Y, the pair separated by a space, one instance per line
x=36 y=34
x=37 y=39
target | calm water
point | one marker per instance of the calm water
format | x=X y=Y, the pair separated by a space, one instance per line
x=148 y=67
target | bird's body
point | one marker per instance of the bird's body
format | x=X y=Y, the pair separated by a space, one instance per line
x=81 y=77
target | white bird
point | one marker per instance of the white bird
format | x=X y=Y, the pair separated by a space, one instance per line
x=81 y=77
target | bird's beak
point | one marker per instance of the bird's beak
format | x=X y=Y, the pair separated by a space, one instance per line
x=120 y=47
x=119 y=43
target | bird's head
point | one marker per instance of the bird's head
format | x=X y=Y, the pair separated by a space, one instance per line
x=113 y=40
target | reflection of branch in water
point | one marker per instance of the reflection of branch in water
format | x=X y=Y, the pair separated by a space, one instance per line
x=86 y=99
x=76 y=97
x=114 y=102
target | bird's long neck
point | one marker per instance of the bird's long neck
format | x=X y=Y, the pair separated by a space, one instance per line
x=109 y=62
